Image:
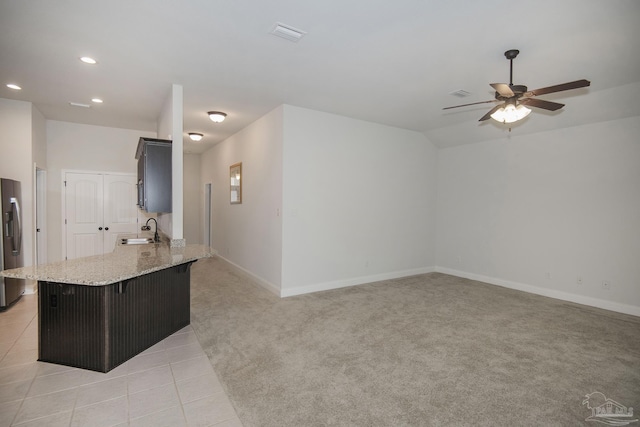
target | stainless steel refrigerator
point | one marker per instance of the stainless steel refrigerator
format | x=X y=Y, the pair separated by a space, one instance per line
x=11 y=254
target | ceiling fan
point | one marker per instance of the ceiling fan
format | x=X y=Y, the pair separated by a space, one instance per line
x=515 y=98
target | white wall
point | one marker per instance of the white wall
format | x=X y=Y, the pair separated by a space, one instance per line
x=16 y=162
x=83 y=147
x=193 y=198
x=358 y=201
x=170 y=127
x=564 y=202
x=39 y=138
x=249 y=234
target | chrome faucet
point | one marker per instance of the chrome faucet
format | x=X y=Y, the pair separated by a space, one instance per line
x=156 y=238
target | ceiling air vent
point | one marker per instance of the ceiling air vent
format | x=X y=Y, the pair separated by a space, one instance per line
x=287 y=32
x=460 y=93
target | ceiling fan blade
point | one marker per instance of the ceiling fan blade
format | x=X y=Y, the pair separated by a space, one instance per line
x=465 y=105
x=541 y=103
x=488 y=115
x=559 y=88
x=503 y=89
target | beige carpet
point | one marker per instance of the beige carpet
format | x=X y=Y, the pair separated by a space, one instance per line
x=428 y=350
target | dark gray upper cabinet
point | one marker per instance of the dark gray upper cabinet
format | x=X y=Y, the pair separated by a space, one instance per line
x=154 y=174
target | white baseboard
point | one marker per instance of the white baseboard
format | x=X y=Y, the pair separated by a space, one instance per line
x=325 y=286
x=561 y=295
x=259 y=280
x=343 y=283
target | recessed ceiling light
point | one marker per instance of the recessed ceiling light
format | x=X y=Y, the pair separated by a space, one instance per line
x=78 y=104
x=14 y=86
x=96 y=100
x=217 y=116
x=88 y=60
x=195 y=136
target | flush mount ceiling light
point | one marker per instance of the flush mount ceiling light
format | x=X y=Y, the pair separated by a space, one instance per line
x=510 y=113
x=96 y=100
x=14 y=86
x=195 y=136
x=287 y=32
x=217 y=116
x=88 y=60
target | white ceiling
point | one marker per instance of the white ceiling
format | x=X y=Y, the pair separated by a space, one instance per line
x=390 y=62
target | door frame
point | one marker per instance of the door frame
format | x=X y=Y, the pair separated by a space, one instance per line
x=41 y=216
x=207 y=214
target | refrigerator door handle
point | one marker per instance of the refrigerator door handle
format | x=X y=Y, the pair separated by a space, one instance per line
x=17 y=240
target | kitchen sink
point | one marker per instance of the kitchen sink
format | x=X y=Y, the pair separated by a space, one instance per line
x=137 y=241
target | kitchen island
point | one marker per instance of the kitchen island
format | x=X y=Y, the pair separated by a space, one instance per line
x=98 y=312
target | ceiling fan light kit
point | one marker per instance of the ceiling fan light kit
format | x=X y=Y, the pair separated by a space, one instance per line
x=515 y=97
x=510 y=113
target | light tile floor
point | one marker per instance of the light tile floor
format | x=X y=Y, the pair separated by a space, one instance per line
x=170 y=384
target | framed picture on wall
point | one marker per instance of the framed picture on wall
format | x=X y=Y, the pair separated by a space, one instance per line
x=235 y=176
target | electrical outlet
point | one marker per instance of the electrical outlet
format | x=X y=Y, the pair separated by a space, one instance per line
x=579 y=280
x=606 y=284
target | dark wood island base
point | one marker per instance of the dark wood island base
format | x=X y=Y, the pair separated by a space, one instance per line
x=101 y=327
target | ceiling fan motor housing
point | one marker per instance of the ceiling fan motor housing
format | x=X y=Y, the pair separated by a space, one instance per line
x=518 y=91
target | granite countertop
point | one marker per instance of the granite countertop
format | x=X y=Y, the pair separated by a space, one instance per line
x=125 y=262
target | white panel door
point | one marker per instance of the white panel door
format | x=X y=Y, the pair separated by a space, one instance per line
x=120 y=211
x=98 y=207
x=84 y=214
